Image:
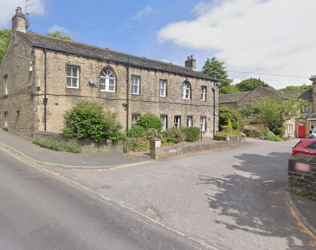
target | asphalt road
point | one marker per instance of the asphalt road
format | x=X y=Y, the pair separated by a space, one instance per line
x=42 y=210
x=227 y=199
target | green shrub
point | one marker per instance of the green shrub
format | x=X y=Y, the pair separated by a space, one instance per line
x=88 y=120
x=57 y=145
x=151 y=133
x=136 y=131
x=192 y=133
x=148 y=121
x=272 y=137
x=231 y=133
x=142 y=145
x=129 y=144
x=173 y=135
x=226 y=113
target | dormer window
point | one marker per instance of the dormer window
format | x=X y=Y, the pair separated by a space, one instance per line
x=107 y=80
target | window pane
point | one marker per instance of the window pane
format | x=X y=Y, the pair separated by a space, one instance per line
x=68 y=82
x=74 y=82
x=68 y=71
x=75 y=72
x=111 y=82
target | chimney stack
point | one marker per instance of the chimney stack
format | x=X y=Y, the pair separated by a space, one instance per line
x=18 y=21
x=190 y=62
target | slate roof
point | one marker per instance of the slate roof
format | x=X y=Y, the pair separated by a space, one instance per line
x=228 y=98
x=72 y=47
x=302 y=94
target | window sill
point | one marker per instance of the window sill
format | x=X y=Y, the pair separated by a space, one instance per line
x=135 y=94
x=72 y=88
x=107 y=91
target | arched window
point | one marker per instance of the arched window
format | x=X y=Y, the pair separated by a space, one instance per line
x=107 y=80
x=185 y=90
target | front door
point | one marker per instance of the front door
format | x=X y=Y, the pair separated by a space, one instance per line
x=301 y=131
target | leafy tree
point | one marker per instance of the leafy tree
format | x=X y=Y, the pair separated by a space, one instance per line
x=59 y=35
x=293 y=88
x=4 y=40
x=225 y=113
x=251 y=84
x=215 y=69
x=273 y=113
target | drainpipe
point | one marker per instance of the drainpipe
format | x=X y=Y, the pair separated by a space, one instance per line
x=127 y=95
x=45 y=96
x=215 y=87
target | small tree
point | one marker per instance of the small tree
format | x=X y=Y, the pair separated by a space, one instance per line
x=88 y=120
x=273 y=113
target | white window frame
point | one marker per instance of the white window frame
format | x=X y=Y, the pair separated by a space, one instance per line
x=163 y=119
x=177 y=121
x=71 y=77
x=189 y=121
x=6 y=91
x=106 y=76
x=135 y=118
x=185 y=91
x=135 y=85
x=203 y=93
x=203 y=123
x=162 y=88
x=6 y=119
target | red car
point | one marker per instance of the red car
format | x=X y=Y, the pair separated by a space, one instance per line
x=306 y=147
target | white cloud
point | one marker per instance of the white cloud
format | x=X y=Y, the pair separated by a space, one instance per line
x=146 y=11
x=271 y=36
x=62 y=30
x=7 y=10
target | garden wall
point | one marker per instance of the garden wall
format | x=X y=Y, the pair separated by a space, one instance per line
x=302 y=175
x=89 y=146
x=158 y=152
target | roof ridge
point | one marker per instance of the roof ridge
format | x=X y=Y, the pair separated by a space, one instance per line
x=115 y=51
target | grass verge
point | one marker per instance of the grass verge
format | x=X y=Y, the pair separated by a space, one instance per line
x=57 y=145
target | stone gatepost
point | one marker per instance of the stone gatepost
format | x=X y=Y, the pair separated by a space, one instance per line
x=155 y=146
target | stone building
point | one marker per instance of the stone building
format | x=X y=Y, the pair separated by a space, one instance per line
x=292 y=127
x=44 y=76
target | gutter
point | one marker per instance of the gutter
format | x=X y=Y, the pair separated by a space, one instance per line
x=125 y=63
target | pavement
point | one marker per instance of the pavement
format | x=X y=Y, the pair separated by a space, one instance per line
x=69 y=160
x=304 y=208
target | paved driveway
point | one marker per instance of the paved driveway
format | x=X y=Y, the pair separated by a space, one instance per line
x=226 y=199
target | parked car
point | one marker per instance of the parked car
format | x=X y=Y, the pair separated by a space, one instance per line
x=305 y=146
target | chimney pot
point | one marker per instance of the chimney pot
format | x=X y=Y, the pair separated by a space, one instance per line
x=191 y=56
x=18 y=10
x=188 y=57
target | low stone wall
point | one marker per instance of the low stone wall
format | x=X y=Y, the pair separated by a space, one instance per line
x=89 y=146
x=158 y=152
x=302 y=175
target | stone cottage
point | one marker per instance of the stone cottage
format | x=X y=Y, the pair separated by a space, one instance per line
x=44 y=76
x=292 y=127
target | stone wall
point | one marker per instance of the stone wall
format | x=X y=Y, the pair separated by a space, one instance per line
x=157 y=152
x=18 y=104
x=302 y=175
x=61 y=98
x=89 y=146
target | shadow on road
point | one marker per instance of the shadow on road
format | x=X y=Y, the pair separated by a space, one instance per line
x=252 y=199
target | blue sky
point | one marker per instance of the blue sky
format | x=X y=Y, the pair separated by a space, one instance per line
x=270 y=39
